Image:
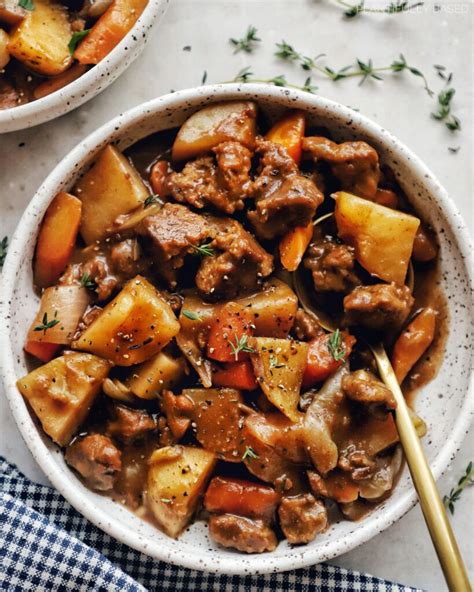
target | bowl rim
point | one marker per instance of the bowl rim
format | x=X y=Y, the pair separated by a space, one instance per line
x=83 y=89
x=233 y=563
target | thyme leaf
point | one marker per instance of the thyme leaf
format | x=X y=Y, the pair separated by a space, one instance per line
x=45 y=324
x=240 y=345
x=274 y=363
x=76 y=38
x=249 y=454
x=150 y=200
x=466 y=480
x=336 y=346
x=247 y=42
x=192 y=316
x=88 y=283
x=204 y=250
x=353 y=10
x=26 y=4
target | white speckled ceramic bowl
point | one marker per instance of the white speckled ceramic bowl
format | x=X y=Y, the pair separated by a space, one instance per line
x=92 y=82
x=446 y=403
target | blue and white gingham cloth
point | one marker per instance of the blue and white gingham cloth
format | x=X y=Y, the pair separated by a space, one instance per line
x=45 y=545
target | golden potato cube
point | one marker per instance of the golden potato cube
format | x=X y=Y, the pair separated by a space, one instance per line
x=112 y=187
x=62 y=391
x=382 y=237
x=161 y=372
x=4 y=53
x=279 y=365
x=41 y=39
x=132 y=328
x=232 y=120
x=176 y=479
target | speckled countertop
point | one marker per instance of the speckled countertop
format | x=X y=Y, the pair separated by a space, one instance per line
x=436 y=33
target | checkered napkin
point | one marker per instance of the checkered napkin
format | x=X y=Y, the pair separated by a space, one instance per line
x=46 y=545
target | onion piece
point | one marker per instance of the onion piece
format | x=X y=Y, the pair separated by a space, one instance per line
x=64 y=304
x=381 y=482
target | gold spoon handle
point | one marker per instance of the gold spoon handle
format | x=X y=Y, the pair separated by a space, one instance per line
x=433 y=509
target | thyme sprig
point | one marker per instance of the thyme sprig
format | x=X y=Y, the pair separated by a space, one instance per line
x=353 y=10
x=192 y=316
x=248 y=42
x=3 y=250
x=240 y=345
x=205 y=250
x=45 y=324
x=465 y=481
x=361 y=69
x=250 y=454
x=246 y=75
x=336 y=346
x=443 y=111
x=88 y=283
x=150 y=200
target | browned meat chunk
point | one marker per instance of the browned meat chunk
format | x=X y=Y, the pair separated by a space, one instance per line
x=284 y=198
x=354 y=164
x=364 y=387
x=306 y=327
x=223 y=182
x=243 y=534
x=332 y=266
x=9 y=97
x=302 y=518
x=381 y=306
x=97 y=459
x=130 y=424
x=174 y=232
x=356 y=462
x=239 y=262
x=106 y=269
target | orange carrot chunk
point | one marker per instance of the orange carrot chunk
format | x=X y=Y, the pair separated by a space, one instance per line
x=413 y=342
x=57 y=82
x=56 y=239
x=325 y=355
x=237 y=375
x=237 y=496
x=109 y=30
x=289 y=132
x=293 y=246
x=42 y=350
x=229 y=333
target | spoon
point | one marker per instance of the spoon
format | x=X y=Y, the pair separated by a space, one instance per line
x=432 y=507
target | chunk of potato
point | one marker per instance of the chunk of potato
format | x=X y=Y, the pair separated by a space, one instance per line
x=4 y=53
x=110 y=188
x=40 y=40
x=62 y=392
x=232 y=120
x=279 y=365
x=153 y=376
x=218 y=418
x=382 y=237
x=176 y=479
x=132 y=328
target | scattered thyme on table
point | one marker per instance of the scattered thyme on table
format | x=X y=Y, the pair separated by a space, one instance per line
x=3 y=250
x=454 y=495
x=248 y=42
x=353 y=10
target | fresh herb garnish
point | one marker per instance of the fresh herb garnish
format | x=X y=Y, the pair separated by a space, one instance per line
x=26 y=4
x=3 y=250
x=205 y=250
x=246 y=75
x=360 y=69
x=150 y=200
x=353 y=10
x=77 y=36
x=246 y=43
x=165 y=500
x=443 y=112
x=45 y=324
x=204 y=77
x=192 y=316
x=240 y=345
x=274 y=363
x=249 y=453
x=336 y=346
x=88 y=283
x=454 y=495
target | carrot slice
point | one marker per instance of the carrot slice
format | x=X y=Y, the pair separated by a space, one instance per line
x=41 y=350
x=109 y=30
x=57 y=82
x=238 y=375
x=289 y=132
x=241 y=497
x=57 y=238
x=293 y=246
x=413 y=342
x=228 y=335
x=322 y=362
